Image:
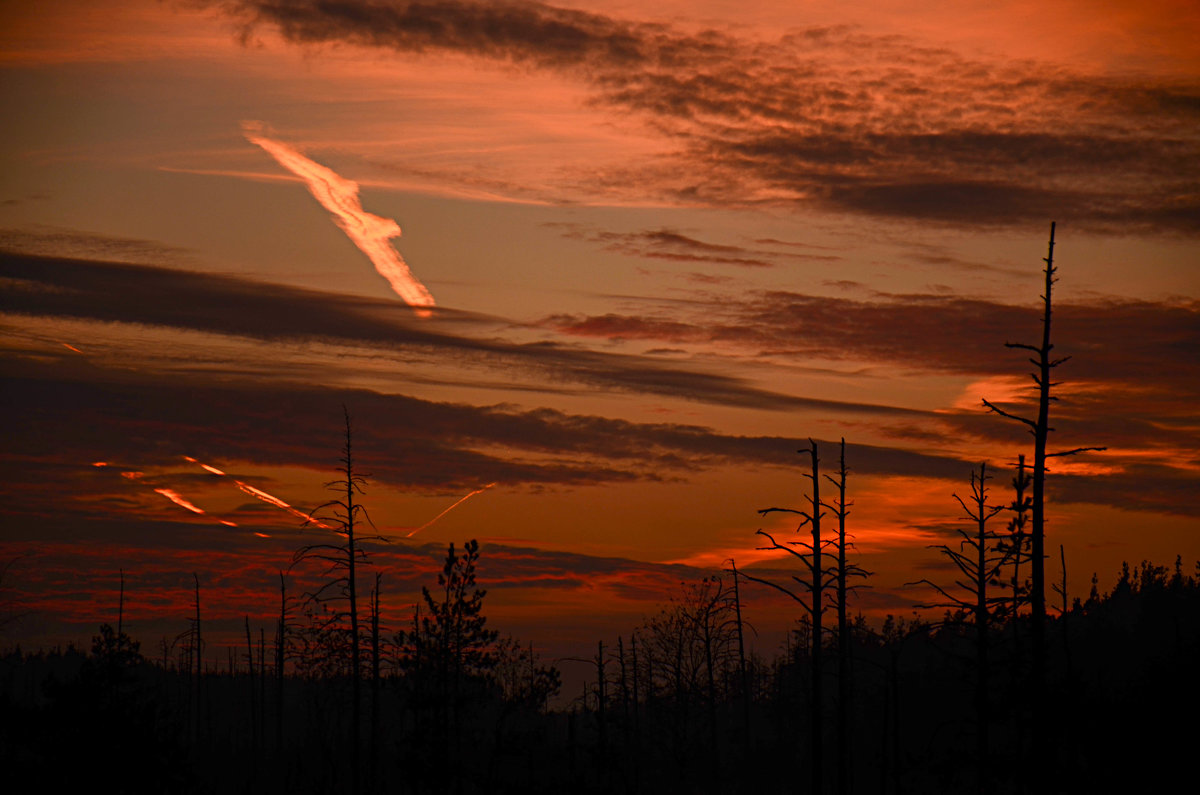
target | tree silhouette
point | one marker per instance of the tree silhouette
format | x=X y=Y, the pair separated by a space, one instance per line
x=695 y=641
x=843 y=571
x=1015 y=545
x=193 y=650
x=743 y=679
x=282 y=637
x=334 y=604
x=979 y=559
x=1040 y=429
x=811 y=556
x=449 y=650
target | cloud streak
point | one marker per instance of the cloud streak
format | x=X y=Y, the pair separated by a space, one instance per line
x=1111 y=337
x=438 y=447
x=118 y=292
x=371 y=233
x=833 y=119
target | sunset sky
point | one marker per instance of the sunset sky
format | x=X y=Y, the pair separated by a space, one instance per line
x=645 y=257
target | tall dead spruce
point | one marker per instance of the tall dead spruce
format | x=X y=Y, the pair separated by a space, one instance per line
x=1040 y=428
x=810 y=555
x=842 y=572
x=344 y=516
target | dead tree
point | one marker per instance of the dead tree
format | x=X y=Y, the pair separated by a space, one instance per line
x=979 y=560
x=744 y=682
x=811 y=593
x=843 y=571
x=193 y=651
x=281 y=640
x=375 y=679
x=253 y=707
x=1040 y=429
x=1060 y=588
x=345 y=517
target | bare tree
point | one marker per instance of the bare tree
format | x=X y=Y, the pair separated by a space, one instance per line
x=376 y=651
x=193 y=650
x=743 y=680
x=282 y=634
x=1040 y=429
x=811 y=595
x=843 y=571
x=254 y=729
x=345 y=517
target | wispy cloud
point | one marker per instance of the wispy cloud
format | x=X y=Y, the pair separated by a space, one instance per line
x=1112 y=337
x=371 y=233
x=667 y=244
x=829 y=118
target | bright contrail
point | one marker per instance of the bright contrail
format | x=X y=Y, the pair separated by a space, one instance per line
x=451 y=508
x=174 y=497
x=180 y=501
x=270 y=499
x=371 y=233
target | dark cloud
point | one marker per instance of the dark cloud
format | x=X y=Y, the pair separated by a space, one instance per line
x=1150 y=343
x=670 y=244
x=169 y=298
x=57 y=416
x=831 y=118
x=1128 y=385
x=57 y=419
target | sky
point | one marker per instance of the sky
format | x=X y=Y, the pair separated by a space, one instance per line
x=586 y=278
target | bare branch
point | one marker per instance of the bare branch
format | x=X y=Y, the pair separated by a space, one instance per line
x=992 y=407
x=1075 y=451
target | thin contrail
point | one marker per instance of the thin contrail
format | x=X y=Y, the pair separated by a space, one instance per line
x=371 y=233
x=270 y=499
x=451 y=508
x=180 y=501
x=174 y=497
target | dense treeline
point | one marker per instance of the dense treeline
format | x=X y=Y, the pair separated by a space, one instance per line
x=1119 y=679
x=674 y=708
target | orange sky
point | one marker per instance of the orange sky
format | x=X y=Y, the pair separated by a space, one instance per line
x=666 y=250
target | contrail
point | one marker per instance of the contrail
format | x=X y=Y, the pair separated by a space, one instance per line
x=180 y=501
x=270 y=499
x=371 y=233
x=174 y=497
x=451 y=508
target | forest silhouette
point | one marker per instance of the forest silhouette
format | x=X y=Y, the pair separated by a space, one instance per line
x=1005 y=683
